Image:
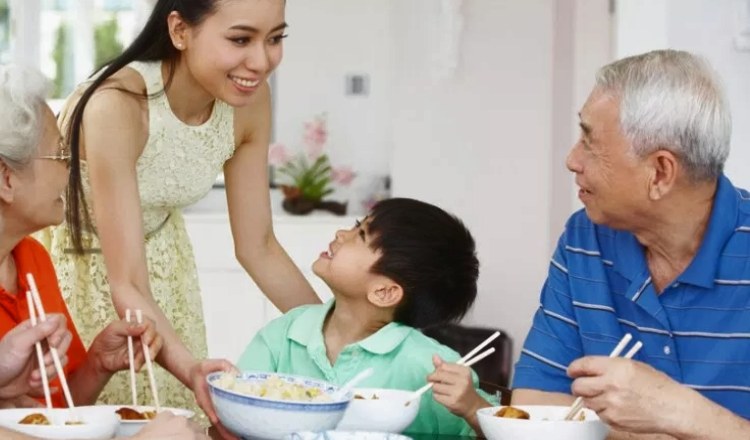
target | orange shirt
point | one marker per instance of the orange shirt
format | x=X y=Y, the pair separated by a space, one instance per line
x=31 y=257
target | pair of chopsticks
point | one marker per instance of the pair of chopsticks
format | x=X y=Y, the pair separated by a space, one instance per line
x=147 y=356
x=467 y=361
x=578 y=403
x=34 y=301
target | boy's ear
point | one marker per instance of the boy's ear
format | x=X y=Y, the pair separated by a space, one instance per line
x=7 y=186
x=386 y=295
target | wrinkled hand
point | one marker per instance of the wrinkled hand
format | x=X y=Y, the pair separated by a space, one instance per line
x=110 y=347
x=167 y=426
x=629 y=395
x=19 y=370
x=198 y=374
x=454 y=388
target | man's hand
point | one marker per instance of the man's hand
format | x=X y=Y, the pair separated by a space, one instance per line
x=629 y=395
x=19 y=372
x=167 y=426
x=110 y=347
x=198 y=374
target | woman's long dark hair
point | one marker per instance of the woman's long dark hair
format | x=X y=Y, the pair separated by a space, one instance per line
x=152 y=44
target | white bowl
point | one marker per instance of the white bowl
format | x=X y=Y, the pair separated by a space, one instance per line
x=258 y=417
x=500 y=428
x=97 y=425
x=345 y=435
x=387 y=413
x=127 y=428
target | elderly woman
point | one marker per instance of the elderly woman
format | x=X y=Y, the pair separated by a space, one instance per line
x=16 y=363
x=661 y=251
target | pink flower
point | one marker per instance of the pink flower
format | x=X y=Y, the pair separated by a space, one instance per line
x=278 y=155
x=343 y=175
x=316 y=135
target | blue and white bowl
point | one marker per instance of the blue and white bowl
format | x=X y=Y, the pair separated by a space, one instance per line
x=261 y=418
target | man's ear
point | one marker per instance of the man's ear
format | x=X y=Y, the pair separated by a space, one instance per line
x=385 y=295
x=665 y=166
x=7 y=184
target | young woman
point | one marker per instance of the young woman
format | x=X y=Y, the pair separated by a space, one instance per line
x=148 y=136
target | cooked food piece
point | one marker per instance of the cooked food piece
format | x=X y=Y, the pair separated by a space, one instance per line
x=126 y=413
x=581 y=417
x=73 y=422
x=510 y=412
x=34 y=419
x=361 y=397
x=274 y=387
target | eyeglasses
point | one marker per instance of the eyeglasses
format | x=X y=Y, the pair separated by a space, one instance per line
x=62 y=154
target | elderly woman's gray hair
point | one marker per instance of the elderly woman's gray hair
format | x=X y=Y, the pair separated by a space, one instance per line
x=22 y=99
x=672 y=100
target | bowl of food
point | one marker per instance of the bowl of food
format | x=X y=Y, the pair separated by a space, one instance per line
x=82 y=424
x=272 y=405
x=133 y=418
x=531 y=422
x=379 y=409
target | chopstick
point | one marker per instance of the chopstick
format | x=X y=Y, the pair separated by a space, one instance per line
x=55 y=355
x=131 y=360
x=467 y=361
x=578 y=403
x=149 y=365
x=39 y=354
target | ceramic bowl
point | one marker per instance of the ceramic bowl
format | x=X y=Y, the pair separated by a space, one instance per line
x=381 y=410
x=544 y=422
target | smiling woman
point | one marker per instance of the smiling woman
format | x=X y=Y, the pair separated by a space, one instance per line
x=148 y=136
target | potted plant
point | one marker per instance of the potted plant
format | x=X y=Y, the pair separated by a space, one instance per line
x=307 y=178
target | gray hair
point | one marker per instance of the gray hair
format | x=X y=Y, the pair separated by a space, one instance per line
x=22 y=99
x=672 y=100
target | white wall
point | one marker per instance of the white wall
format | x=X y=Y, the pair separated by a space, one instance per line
x=478 y=144
x=329 y=39
x=706 y=27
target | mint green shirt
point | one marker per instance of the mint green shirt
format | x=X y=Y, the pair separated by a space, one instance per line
x=401 y=357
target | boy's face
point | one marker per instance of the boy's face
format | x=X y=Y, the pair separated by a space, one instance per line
x=345 y=266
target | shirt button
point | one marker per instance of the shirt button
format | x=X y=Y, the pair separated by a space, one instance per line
x=667 y=350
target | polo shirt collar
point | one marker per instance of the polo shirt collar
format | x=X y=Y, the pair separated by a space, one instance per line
x=630 y=259
x=307 y=330
x=721 y=226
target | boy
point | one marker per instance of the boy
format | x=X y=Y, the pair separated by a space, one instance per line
x=407 y=265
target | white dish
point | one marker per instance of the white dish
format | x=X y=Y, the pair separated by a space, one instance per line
x=387 y=413
x=545 y=422
x=345 y=435
x=97 y=425
x=259 y=417
x=127 y=428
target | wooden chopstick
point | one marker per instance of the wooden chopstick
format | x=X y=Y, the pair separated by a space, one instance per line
x=149 y=365
x=55 y=355
x=465 y=361
x=578 y=403
x=131 y=360
x=39 y=354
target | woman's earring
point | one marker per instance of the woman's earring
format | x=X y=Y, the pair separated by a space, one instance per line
x=179 y=46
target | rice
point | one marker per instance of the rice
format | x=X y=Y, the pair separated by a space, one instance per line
x=273 y=388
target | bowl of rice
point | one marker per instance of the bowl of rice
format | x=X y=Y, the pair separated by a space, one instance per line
x=271 y=405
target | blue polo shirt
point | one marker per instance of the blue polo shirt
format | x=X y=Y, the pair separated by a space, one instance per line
x=697 y=330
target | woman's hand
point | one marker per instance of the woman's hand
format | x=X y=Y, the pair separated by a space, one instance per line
x=167 y=426
x=19 y=372
x=198 y=374
x=109 y=351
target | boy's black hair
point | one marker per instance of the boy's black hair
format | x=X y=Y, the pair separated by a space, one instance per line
x=431 y=254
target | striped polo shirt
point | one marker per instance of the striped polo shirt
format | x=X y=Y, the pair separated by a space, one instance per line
x=599 y=288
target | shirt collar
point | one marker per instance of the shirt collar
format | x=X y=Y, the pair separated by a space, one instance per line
x=630 y=260
x=721 y=226
x=307 y=330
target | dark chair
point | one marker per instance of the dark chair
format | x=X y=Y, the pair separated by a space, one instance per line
x=494 y=370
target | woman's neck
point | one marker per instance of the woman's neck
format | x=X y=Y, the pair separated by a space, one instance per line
x=189 y=101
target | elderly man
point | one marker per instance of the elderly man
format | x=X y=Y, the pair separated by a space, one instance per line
x=661 y=251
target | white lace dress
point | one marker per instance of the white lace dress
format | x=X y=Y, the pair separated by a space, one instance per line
x=177 y=168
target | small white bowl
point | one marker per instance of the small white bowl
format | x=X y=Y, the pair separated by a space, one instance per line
x=127 y=428
x=259 y=417
x=345 y=435
x=387 y=413
x=544 y=422
x=97 y=425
